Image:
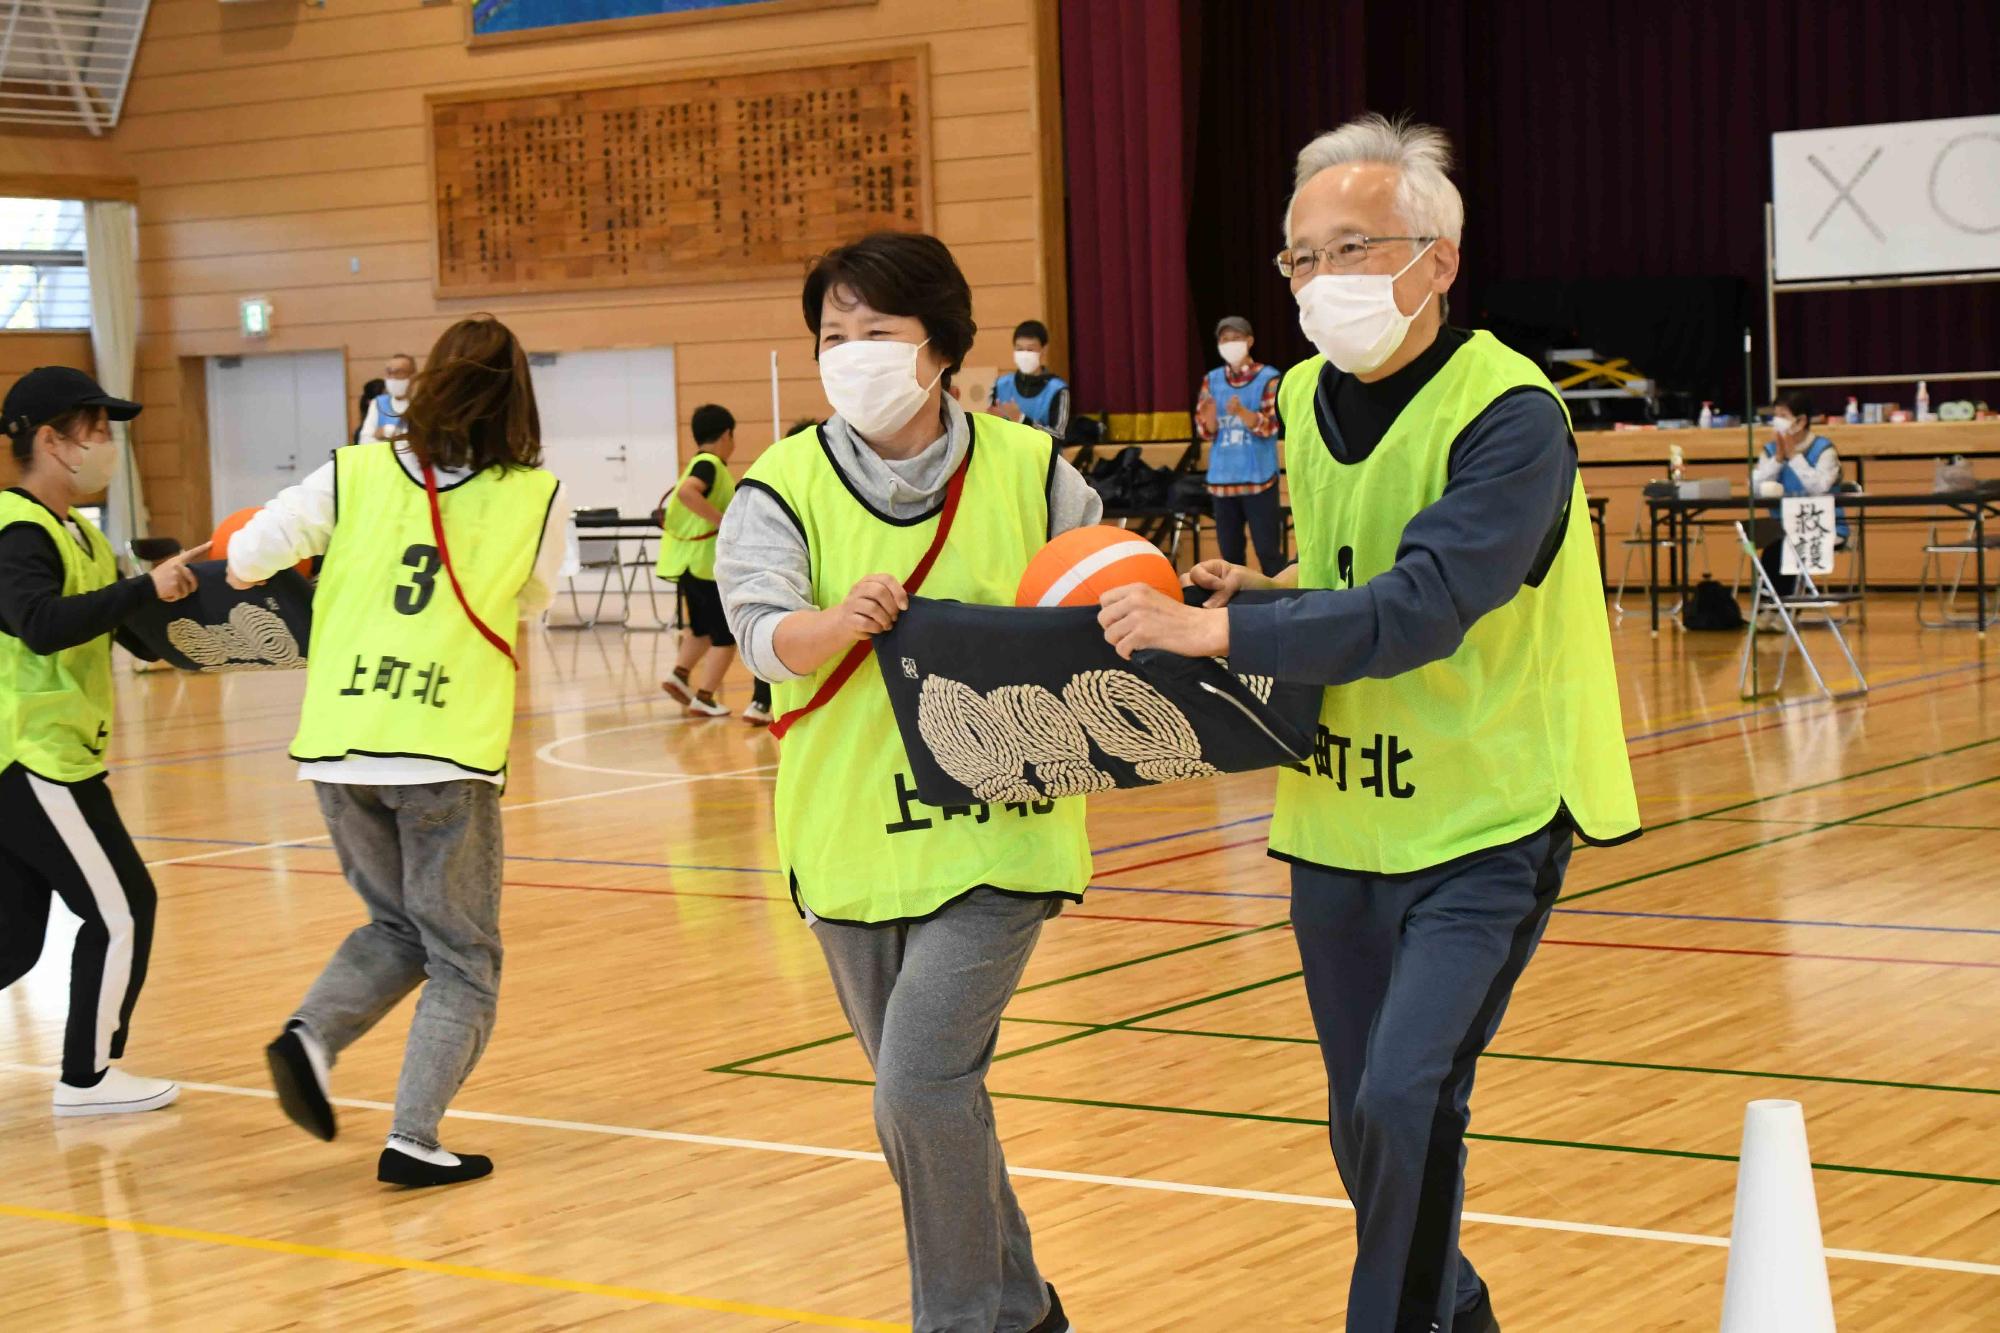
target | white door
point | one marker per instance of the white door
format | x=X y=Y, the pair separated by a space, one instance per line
x=608 y=425
x=271 y=420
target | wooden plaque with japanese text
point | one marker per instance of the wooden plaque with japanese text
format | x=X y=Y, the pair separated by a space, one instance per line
x=736 y=174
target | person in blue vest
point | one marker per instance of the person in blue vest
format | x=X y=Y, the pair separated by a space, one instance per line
x=1238 y=414
x=385 y=415
x=1028 y=393
x=1796 y=461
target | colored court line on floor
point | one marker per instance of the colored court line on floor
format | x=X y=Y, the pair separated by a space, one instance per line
x=1725 y=854
x=1587 y=1061
x=1319 y=1122
x=1140 y=1183
x=1777 y=921
x=641 y=1295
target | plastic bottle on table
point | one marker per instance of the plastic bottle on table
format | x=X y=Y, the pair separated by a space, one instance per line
x=1923 y=401
x=1853 y=411
x=1707 y=417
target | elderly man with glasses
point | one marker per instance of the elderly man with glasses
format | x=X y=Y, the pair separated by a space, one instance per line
x=1470 y=729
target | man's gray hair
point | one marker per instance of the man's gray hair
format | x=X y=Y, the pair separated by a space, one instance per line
x=1426 y=200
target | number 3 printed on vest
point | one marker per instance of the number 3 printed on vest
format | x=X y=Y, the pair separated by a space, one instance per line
x=424 y=563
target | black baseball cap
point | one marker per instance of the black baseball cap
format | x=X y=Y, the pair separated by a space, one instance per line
x=46 y=392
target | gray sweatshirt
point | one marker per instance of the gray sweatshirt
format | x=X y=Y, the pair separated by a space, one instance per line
x=761 y=559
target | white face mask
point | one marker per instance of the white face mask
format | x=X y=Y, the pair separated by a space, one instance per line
x=1027 y=362
x=397 y=388
x=1235 y=352
x=1353 y=319
x=1783 y=425
x=873 y=385
x=91 y=471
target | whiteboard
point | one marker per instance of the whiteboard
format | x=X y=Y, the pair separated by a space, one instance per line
x=1922 y=196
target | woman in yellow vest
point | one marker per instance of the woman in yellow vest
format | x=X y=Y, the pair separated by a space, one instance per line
x=436 y=544
x=926 y=916
x=61 y=603
x=689 y=522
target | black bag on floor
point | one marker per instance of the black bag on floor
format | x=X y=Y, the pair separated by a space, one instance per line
x=1710 y=606
x=1007 y=705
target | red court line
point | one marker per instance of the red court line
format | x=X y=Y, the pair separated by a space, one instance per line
x=1772 y=953
x=1182 y=856
x=702 y=893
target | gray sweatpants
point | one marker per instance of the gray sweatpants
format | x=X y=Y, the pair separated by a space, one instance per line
x=924 y=1000
x=426 y=860
x=1408 y=979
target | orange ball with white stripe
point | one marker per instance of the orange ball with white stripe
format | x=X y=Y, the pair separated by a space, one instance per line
x=1079 y=567
x=218 y=543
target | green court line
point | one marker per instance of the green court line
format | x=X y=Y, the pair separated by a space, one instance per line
x=733 y=1066
x=1211 y=942
x=1774 y=841
x=1068 y=1037
x=1580 y=1145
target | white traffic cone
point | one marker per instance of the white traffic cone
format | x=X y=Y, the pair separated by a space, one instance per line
x=1777 y=1264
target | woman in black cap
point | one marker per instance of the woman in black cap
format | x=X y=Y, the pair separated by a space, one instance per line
x=61 y=601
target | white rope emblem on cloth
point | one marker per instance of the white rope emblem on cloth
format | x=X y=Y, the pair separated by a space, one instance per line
x=253 y=640
x=986 y=741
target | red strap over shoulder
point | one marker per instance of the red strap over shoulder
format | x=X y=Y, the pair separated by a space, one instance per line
x=444 y=554
x=858 y=654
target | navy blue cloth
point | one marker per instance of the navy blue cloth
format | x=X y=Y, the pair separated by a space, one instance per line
x=1510 y=478
x=1259 y=512
x=1408 y=978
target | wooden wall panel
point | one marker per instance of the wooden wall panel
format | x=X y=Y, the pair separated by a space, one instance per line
x=274 y=145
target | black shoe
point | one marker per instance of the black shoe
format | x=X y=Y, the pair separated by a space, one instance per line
x=1478 y=1319
x=1055 y=1321
x=399 y=1168
x=299 y=1090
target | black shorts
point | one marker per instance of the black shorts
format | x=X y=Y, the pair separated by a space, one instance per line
x=704 y=611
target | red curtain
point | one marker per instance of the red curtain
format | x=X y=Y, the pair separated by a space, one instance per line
x=1126 y=130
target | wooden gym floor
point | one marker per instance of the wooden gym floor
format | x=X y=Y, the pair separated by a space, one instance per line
x=681 y=1124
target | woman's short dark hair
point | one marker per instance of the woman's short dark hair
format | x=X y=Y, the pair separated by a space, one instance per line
x=71 y=424
x=473 y=406
x=900 y=273
x=1798 y=403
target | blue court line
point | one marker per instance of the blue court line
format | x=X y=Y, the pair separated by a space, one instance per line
x=217 y=842
x=1783 y=921
x=1792 y=703
x=641 y=865
x=1185 y=833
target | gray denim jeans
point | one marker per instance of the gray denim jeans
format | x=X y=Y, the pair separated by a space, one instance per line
x=924 y=998
x=426 y=859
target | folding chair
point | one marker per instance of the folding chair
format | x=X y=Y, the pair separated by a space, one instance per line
x=1935 y=551
x=1805 y=598
x=1636 y=544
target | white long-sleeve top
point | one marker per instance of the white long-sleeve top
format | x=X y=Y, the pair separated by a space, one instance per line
x=1816 y=479
x=297 y=524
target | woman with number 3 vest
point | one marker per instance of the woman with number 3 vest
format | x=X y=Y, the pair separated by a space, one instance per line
x=926 y=915
x=436 y=544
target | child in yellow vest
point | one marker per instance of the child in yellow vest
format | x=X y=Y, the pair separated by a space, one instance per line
x=926 y=916
x=689 y=522
x=436 y=543
x=61 y=603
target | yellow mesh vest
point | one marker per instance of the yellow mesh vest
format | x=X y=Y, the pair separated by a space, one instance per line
x=396 y=667
x=852 y=836
x=55 y=711
x=1485 y=746
x=687 y=540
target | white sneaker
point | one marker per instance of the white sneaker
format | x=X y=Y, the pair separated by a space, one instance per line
x=676 y=691
x=117 y=1093
x=757 y=715
x=699 y=707
x=1769 y=621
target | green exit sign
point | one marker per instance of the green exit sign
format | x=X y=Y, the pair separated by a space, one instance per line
x=256 y=317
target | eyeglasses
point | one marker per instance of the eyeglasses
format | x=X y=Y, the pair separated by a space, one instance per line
x=1346 y=252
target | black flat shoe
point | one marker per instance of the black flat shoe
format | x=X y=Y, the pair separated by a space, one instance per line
x=1479 y=1319
x=1055 y=1321
x=399 y=1168
x=299 y=1091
